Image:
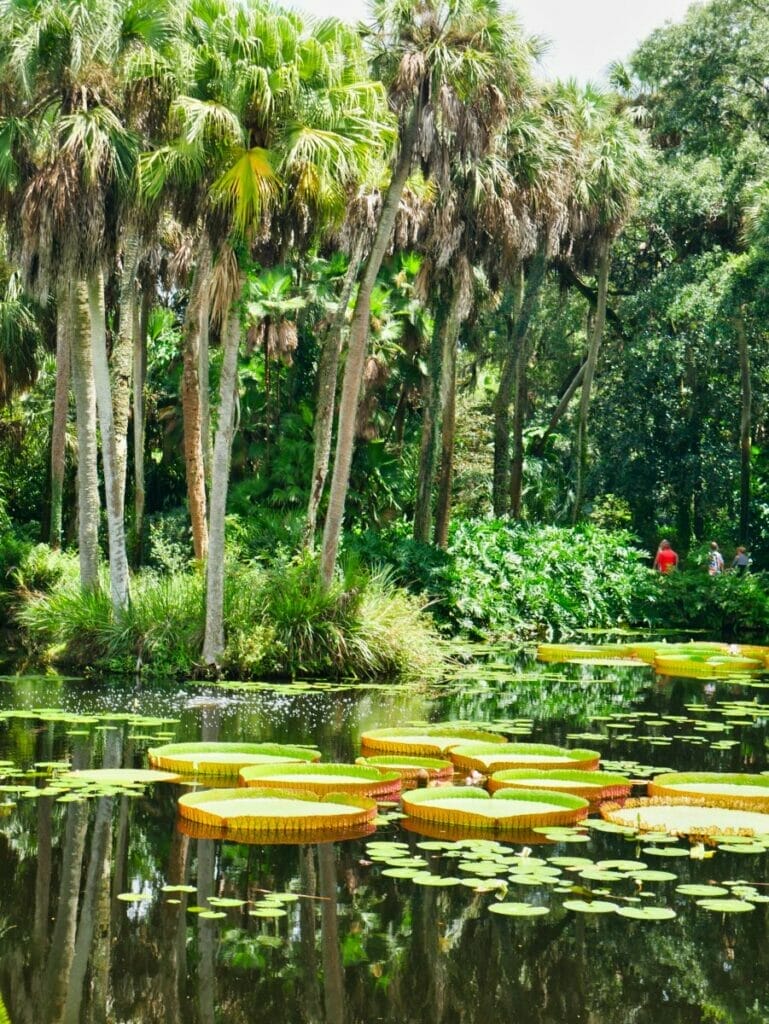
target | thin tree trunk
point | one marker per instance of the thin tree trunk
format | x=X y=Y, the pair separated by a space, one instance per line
x=604 y=265
x=538 y=448
x=519 y=419
x=443 y=341
x=213 y=645
x=121 y=361
x=517 y=338
x=118 y=559
x=446 y=471
x=326 y=401
x=745 y=422
x=140 y=415
x=205 y=393
x=60 y=410
x=357 y=348
x=197 y=314
x=87 y=445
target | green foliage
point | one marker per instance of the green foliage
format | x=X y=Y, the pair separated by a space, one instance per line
x=729 y=605
x=279 y=621
x=511 y=580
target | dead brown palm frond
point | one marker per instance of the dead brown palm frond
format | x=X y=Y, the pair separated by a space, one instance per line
x=225 y=283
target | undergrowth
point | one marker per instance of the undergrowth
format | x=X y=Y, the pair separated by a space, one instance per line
x=279 y=621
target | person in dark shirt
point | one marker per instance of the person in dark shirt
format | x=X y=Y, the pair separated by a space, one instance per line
x=740 y=562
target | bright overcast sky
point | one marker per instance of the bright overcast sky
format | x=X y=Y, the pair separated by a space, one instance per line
x=585 y=35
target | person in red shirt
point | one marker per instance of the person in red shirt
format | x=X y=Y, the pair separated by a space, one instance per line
x=666 y=558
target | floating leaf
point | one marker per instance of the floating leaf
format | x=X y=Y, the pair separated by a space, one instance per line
x=647 y=913
x=518 y=910
x=726 y=906
x=591 y=906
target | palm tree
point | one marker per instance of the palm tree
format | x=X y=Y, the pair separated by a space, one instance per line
x=73 y=72
x=290 y=127
x=452 y=70
x=607 y=184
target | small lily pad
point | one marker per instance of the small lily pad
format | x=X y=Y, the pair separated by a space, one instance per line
x=518 y=910
x=591 y=906
x=647 y=913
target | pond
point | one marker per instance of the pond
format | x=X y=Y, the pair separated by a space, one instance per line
x=99 y=910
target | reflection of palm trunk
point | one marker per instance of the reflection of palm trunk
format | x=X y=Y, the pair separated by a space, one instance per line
x=97 y=879
x=206 y=933
x=43 y=877
x=333 y=974
x=310 y=1004
x=62 y=948
x=173 y=931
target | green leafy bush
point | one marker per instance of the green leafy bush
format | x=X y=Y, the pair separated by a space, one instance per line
x=728 y=605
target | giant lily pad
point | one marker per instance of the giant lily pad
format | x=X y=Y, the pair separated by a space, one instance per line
x=425 y=739
x=485 y=758
x=410 y=767
x=123 y=776
x=593 y=653
x=685 y=816
x=324 y=778
x=274 y=810
x=589 y=785
x=742 y=791
x=509 y=808
x=704 y=666
x=225 y=758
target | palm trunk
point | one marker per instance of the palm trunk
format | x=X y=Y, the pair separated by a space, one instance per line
x=213 y=645
x=446 y=471
x=140 y=416
x=745 y=418
x=60 y=411
x=357 y=348
x=205 y=391
x=517 y=339
x=538 y=448
x=519 y=419
x=118 y=559
x=197 y=314
x=121 y=361
x=443 y=341
x=87 y=449
x=604 y=265
x=324 y=410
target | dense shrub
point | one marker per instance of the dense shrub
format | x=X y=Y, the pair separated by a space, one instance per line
x=729 y=605
x=279 y=621
x=504 y=579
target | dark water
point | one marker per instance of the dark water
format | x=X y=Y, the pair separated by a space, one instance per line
x=357 y=946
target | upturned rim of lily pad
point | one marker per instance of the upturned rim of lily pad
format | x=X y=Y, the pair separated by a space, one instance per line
x=275 y=810
x=324 y=778
x=677 y=784
x=425 y=739
x=179 y=757
x=436 y=805
x=410 y=767
x=470 y=756
x=729 y=822
x=590 y=785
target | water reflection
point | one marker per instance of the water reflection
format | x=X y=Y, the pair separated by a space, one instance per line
x=355 y=946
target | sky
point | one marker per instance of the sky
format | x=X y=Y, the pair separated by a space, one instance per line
x=585 y=35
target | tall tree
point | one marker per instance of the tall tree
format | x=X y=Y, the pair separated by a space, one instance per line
x=452 y=70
